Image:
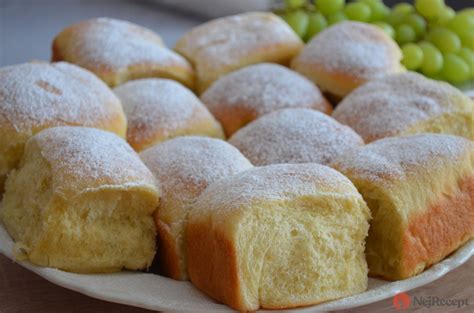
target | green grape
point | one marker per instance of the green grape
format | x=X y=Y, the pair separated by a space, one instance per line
x=294 y=4
x=468 y=56
x=403 y=9
x=467 y=40
x=386 y=28
x=358 y=11
x=417 y=23
x=371 y=2
x=446 y=15
x=469 y=11
x=446 y=40
x=432 y=58
x=317 y=22
x=394 y=18
x=298 y=20
x=430 y=8
x=462 y=24
x=336 y=18
x=404 y=33
x=328 y=7
x=379 y=10
x=412 y=56
x=455 y=69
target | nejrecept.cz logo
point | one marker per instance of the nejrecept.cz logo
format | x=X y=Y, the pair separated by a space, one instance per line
x=403 y=301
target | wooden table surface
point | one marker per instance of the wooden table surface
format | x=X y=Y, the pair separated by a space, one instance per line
x=22 y=291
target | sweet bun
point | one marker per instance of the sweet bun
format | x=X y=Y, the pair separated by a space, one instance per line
x=346 y=55
x=223 y=45
x=278 y=236
x=81 y=201
x=420 y=190
x=246 y=94
x=406 y=103
x=35 y=96
x=295 y=136
x=118 y=51
x=184 y=167
x=161 y=109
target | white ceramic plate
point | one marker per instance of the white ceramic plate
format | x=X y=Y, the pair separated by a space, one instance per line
x=163 y=294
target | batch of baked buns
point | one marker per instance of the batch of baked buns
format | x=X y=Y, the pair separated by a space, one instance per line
x=223 y=162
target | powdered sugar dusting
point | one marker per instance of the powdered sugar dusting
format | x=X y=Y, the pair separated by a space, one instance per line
x=224 y=40
x=85 y=159
x=352 y=47
x=37 y=95
x=295 y=136
x=272 y=183
x=263 y=88
x=158 y=106
x=116 y=44
x=398 y=157
x=185 y=166
x=390 y=105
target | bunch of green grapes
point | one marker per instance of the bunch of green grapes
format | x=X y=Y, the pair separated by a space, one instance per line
x=435 y=40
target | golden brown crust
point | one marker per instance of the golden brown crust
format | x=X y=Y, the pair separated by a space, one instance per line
x=441 y=229
x=118 y=51
x=338 y=83
x=167 y=256
x=211 y=252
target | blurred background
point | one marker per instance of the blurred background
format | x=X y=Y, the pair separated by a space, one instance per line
x=27 y=27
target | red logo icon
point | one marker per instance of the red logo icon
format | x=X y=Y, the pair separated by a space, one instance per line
x=401 y=301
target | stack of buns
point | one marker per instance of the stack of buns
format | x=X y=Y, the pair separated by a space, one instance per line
x=299 y=206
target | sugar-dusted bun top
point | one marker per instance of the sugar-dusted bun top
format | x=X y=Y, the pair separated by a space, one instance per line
x=397 y=158
x=263 y=88
x=109 y=46
x=159 y=108
x=185 y=166
x=390 y=105
x=278 y=182
x=228 y=38
x=354 y=49
x=87 y=159
x=228 y=43
x=295 y=136
x=38 y=95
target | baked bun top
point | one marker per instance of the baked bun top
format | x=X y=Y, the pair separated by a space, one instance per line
x=402 y=103
x=398 y=159
x=184 y=166
x=226 y=44
x=255 y=90
x=117 y=51
x=39 y=95
x=295 y=136
x=89 y=159
x=273 y=183
x=348 y=53
x=159 y=109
